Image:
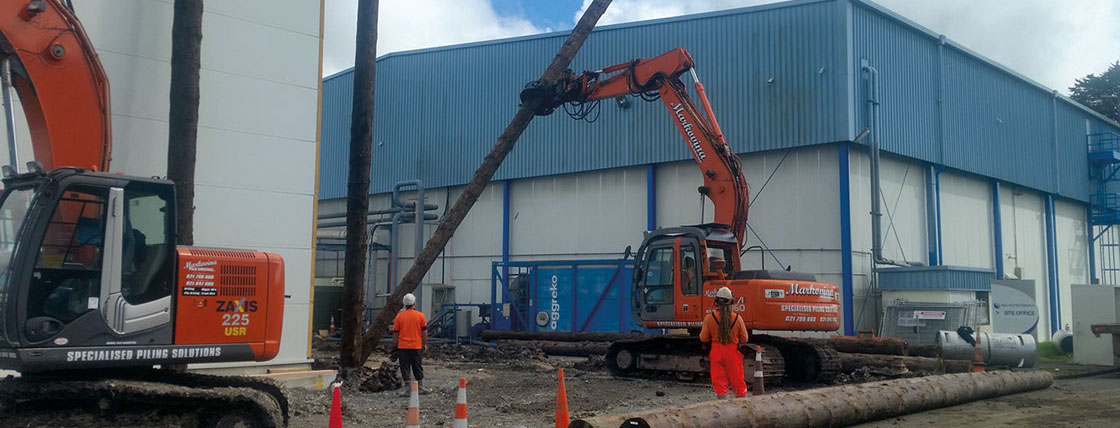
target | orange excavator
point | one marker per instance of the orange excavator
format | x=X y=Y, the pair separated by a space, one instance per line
x=679 y=269
x=93 y=291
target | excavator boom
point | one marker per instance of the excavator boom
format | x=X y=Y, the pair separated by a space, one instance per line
x=679 y=269
x=61 y=85
x=660 y=77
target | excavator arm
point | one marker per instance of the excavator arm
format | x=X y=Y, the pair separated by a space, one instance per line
x=654 y=78
x=61 y=84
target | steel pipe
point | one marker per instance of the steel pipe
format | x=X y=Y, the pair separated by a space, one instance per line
x=833 y=406
x=9 y=110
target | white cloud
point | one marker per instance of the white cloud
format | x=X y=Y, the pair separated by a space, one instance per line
x=639 y=10
x=1052 y=42
x=415 y=24
x=1049 y=41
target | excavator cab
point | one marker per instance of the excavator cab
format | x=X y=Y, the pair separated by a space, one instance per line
x=89 y=277
x=672 y=267
x=86 y=259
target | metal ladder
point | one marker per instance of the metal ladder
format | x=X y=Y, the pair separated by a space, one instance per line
x=1104 y=201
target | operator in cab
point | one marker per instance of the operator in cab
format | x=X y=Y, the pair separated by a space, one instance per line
x=410 y=337
x=725 y=330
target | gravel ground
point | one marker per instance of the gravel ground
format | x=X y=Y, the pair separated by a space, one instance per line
x=1090 y=402
x=499 y=394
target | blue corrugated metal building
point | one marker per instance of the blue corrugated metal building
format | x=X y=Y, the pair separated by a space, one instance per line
x=782 y=76
x=785 y=74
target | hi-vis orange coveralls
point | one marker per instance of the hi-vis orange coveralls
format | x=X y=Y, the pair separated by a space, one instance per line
x=727 y=362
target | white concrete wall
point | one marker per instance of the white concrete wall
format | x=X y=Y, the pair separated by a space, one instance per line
x=966 y=221
x=1023 y=215
x=597 y=214
x=1072 y=249
x=904 y=237
x=257 y=124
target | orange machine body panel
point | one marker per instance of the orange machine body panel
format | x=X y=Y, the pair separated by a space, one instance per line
x=768 y=304
x=228 y=296
x=61 y=84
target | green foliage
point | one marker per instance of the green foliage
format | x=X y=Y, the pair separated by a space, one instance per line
x=1100 y=92
x=1049 y=351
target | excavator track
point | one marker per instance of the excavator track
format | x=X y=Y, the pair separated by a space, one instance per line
x=680 y=358
x=805 y=361
x=683 y=358
x=213 y=400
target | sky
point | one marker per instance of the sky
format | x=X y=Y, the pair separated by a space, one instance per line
x=1053 y=42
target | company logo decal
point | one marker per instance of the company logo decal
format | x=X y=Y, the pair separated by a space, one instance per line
x=201 y=266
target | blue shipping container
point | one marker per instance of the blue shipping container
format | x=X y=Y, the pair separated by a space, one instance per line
x=567 y=296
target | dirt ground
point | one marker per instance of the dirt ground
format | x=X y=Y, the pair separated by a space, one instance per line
x=518 y=389
x=1085 y=402
x=522 y=393
x=507 y=394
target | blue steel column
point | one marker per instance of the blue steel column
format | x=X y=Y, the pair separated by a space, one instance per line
x=997 y=229
x=1052 y=267
x=1090 y=234
x=846 y=239
x=651 y=196
x=505 y=229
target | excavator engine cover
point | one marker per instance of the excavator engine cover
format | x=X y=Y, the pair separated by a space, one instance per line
x=229 y=296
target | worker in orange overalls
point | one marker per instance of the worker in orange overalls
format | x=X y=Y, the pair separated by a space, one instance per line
x=725 y=330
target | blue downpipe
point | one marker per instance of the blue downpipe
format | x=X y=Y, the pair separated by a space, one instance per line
x=651 y=196
x=932 y=210
x=1052 y=267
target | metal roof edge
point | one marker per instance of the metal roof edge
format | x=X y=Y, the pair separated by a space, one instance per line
x=875 y=7
x=619 y=26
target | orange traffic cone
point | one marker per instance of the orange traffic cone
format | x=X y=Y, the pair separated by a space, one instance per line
x=978 y=360
x=330 y=332
x=413 y=420
x=336 y=407
x=561 y=403
x=461 y=406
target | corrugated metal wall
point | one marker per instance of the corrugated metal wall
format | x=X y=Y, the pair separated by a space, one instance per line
x=439 y=110
x=944 y=104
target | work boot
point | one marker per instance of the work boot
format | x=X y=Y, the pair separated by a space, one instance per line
x=423 y=390
x=723 y=397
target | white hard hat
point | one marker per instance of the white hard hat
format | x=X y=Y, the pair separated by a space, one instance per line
x=410 y=300
x=724 y=293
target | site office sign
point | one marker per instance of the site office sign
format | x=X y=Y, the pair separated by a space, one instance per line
x=1013 y=311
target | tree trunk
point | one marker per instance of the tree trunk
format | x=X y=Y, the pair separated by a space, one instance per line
x=836 y=406
x=572 y=349
x=863 y=345
x=931 y=351
x=868 y=345
x=957 y=366
x=186 y=47
x=852 y=362
x=482 y=176
x=357 y=190
x=562 y=336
